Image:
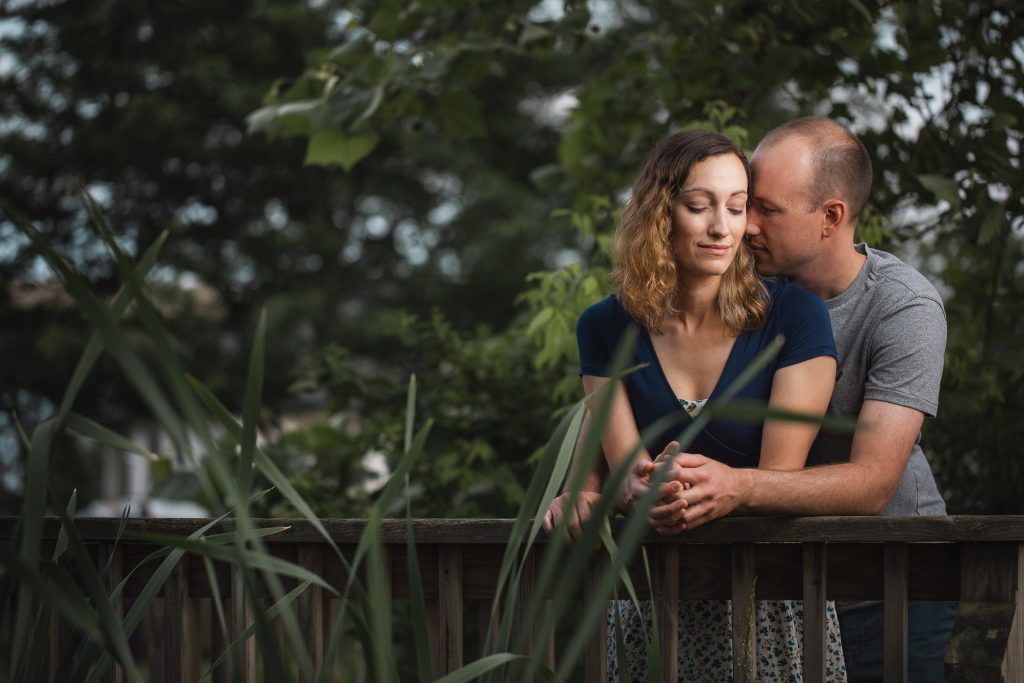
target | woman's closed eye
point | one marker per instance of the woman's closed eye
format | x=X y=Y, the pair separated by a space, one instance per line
x=696 y=208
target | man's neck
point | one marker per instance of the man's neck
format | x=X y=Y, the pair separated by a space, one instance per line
x=831 y=275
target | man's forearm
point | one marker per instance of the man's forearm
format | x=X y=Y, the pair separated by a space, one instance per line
x=838 y=489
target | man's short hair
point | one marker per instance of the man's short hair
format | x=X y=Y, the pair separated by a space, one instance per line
x=841 y=165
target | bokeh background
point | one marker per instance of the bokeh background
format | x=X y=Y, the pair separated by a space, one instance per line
x=430 y=187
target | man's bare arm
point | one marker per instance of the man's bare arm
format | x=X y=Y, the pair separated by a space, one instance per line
x=862 y=486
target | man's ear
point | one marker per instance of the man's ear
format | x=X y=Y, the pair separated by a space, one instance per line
x=835 y=213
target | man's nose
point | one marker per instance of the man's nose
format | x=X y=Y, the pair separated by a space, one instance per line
x=753 y=228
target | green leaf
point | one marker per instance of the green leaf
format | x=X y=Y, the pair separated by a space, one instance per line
x=459 y=115
x=474 y=670
x=334 y=147
x=83 y=426
x=992 y=224
x=942 y=187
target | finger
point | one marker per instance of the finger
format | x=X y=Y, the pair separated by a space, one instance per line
x=669 y=511
x=547 y=524
x=669 y=490
x=671 y=449
x=643 y=467
x=690 y=460
x=697 y=515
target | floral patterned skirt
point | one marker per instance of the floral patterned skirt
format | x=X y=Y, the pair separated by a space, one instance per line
x=705 y=641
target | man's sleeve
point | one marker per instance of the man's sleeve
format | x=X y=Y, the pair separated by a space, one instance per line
x=907 y=356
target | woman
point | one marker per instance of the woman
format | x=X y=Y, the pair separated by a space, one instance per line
x=685 y=280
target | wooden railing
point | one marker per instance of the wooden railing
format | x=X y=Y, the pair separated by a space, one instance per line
x=977 y=561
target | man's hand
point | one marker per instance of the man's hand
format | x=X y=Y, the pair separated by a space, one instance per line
x=578 y=513
x=711 y=490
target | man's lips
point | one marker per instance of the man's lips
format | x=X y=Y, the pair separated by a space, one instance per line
x=755 y=246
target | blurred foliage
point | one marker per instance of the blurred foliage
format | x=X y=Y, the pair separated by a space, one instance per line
x=432 y=154
x=492 y=409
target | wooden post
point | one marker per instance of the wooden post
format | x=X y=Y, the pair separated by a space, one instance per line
x=1013 y=663
x=815 y=576
x=449 y=645
x=666 y=602
x=985 y=645
x=595 y=657
x=247 y=661
x=109 y=553
x=178 y=639
x=895 y=613
x=311 y=613
x=744 y=614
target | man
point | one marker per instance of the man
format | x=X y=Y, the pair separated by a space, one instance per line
x=812 y=179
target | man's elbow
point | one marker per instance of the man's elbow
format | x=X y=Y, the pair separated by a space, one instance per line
x=878 y=497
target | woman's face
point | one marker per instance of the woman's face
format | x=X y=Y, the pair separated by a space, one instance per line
x=709 y=216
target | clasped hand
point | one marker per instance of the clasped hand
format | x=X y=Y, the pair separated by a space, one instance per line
x=666 y=517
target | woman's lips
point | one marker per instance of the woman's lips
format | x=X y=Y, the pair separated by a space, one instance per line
x=715 y=249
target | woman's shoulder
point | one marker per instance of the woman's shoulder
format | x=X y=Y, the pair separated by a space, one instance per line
x=607 y=315
x=786 y=296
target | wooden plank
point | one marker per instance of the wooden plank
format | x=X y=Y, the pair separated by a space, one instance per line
x=744 y=614
x=966 y=528
x=1013 y=663
x=983 y=647
x=815 y=580
x=595 y=657
x=179 y=632
x=311 y=614
x=666 y=601
x=894 y=630
x=244 y=663
x=522 y=632
x=109 y=553
x=449 y=645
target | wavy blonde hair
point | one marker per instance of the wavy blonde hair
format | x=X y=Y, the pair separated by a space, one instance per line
x=646 y=273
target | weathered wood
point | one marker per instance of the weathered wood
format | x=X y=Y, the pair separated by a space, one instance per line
x=965 y=528
x=522 y=632
x=666 y=601
x=744 y=614
x=815 y=580
x=1013 y=663
x=240 y=617
x=984 y=645
x=179 y=632
x=595 y=657
x=311 y=614
x=895 y=613
x=109 y=554
x=449 y=645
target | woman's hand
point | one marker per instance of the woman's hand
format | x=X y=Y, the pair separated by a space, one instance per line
x=578 y=513
x=666 y=515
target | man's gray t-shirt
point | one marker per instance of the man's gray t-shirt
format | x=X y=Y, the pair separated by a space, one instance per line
x=890 y=332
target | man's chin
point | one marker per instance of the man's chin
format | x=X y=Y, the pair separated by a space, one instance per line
x=763 y=266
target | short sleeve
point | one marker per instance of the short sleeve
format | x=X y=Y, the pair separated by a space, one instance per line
x=806 y=326
x=592 y=334
x=907 y=354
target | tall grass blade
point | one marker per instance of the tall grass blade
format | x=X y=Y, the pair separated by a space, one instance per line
x=380 y=646
x=116 y=640
x=272 y=612
x=475 y=670
x=83 y=426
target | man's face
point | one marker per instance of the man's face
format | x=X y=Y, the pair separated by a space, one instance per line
x=784 y=236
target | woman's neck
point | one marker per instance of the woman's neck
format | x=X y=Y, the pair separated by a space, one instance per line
x=697 y=303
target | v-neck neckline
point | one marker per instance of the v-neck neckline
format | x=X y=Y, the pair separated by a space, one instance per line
x=668 y=385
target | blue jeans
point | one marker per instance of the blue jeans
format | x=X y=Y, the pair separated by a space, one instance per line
x=930 y=625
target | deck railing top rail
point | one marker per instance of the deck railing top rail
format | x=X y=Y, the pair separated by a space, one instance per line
x=953 y=528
